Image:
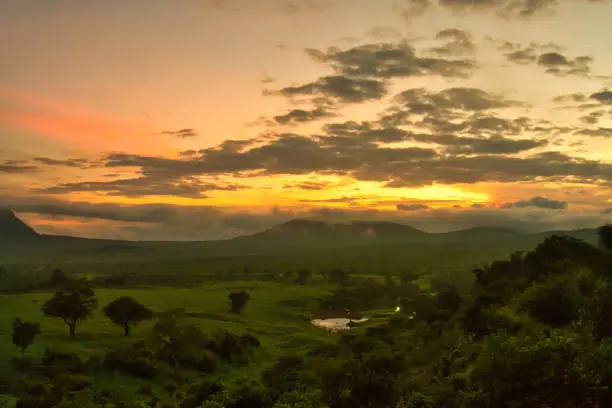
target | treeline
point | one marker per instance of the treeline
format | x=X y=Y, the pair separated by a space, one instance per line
x=24 y=281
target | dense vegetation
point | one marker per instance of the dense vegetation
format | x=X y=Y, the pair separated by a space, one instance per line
x=531 y=330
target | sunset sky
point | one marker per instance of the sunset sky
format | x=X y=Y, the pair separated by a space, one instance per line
x=207 y=119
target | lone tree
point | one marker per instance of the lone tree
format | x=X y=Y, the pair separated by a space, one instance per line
x=24 y=334
x=605 y=236
x=72 y=305
x=127 y=312
x=239 y=301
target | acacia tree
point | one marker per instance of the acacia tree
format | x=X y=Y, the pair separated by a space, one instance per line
x=127 y=312
x=24 y=334
x=239 y=301
x=72 y=305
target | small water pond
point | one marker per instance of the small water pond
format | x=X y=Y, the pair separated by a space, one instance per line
x=337 y=324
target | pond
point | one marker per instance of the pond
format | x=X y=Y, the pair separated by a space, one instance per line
x=336 y=324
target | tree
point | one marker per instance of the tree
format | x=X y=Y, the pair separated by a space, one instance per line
x=72 y=305
x=24 y=334
x=406 y=277
x=555 y=304
x=339 y=275
x=58 y=277
x=605 y=236
x=389 y=279
x=239 y=301
x=127 y=312
x=449 y=298
x=303 y=275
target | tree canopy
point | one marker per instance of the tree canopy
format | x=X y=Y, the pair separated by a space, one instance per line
x=24 y=334
x=72 y=305
x=239 y=301
x=127 y=312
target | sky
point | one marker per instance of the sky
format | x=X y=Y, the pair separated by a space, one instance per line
x=208 y=119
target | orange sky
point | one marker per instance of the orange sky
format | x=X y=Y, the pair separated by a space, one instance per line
x=86 y=81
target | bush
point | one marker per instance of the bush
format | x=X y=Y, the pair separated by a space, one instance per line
x=71 y=382
x=135 y=366
x=249 y=340
x=55 y=362
x=207 y=362
x=200 y=393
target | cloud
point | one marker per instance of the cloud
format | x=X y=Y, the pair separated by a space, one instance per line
x=182 y=133
x=574 y=97
x=297 y=116
x=538 y=202
x=558 y=64
x=472 y=111
x=388 y=60
x=546 y=56
x=414 y=8
x=144 y=186
x=604 y=97
x=365 y=160
x=412 y=207
x=307 y=185
x=77 y=163
x=513 y=9
x=338 y=88
x=421 y=100
x=460 y=42
x=16 y=168
x=598 y=132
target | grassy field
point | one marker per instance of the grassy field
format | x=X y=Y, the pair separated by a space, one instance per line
x=277 y=315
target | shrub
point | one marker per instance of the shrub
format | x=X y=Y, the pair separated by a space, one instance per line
x=137 y=366
x=55 y=362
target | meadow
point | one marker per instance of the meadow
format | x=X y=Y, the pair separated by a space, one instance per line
x=277 y=315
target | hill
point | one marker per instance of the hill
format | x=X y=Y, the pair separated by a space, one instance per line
x=12 y=228
x=20 y=243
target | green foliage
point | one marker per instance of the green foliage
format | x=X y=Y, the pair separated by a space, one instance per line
x=24 y=334
x=127 y=312
x=555 y=370
x=72 y=305
x=239 y=301
x=598 y=312
x=556 y=303
x=605 y=236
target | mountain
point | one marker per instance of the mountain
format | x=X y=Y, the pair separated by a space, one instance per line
x=13 y=229
x=321 y=233
x=19 y=242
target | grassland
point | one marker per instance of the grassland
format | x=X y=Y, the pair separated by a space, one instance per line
x=277 y=315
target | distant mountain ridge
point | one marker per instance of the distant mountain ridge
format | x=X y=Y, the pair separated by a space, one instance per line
x=380 y=232
x=309 y=232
